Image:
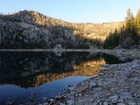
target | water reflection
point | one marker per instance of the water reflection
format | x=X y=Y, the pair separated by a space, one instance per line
x=45 y=74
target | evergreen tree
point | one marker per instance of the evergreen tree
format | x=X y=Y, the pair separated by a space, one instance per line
x=129 y=19
x=137 y=20
x=112 y=40
x=129 y=36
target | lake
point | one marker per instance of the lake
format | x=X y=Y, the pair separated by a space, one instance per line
x=28 y=76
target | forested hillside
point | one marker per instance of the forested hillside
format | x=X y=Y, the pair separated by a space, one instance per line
x=128 y=36
x=30 y=29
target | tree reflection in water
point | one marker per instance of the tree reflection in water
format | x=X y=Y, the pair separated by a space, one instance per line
x=26 y=69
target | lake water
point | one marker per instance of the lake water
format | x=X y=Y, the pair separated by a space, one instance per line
x=30 y=75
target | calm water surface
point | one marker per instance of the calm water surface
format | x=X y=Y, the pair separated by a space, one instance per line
x=38 y=76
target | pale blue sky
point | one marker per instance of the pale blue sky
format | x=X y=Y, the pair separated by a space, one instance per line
x=96 y=11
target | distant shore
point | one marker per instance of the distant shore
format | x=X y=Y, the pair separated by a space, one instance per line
x=120 y=53
x=43 y=50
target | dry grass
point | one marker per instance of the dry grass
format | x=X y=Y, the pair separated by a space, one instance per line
x=98 y=31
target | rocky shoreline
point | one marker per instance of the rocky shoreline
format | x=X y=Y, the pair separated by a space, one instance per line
x=117 y=84
x=124 y=54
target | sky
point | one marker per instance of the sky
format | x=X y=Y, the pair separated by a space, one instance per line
x=76 y=11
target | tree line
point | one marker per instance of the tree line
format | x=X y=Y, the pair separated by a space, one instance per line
x=128 y=36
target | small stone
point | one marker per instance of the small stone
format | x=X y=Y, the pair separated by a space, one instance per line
x=83 y=87
x=70 y=102
x=91 y=100
x=97 y=95
x=80 y=94
x=120 y=104
x=105 y=103
x=45 y=104
x=135 y=65
x=61 y=104
x=72 y=88
x=94 y=76
x=95 y=103
x=58 y=97
x=52 y=100
x=91 y=85
x=120 y=100
x=126 y=95
x=80 y=101
x=131 y=103
x=113 y=99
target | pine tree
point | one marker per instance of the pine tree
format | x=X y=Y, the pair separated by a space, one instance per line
x=112 y=40
x=129 y=19
x=137 y=25
x=137 y=20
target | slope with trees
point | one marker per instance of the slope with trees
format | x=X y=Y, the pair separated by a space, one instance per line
x=128 y=36
x=30 y=29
